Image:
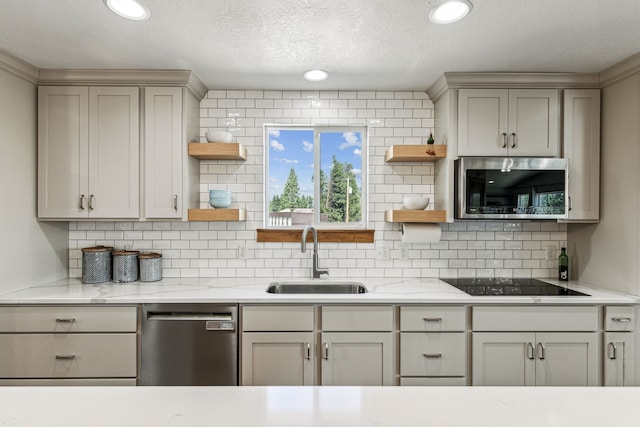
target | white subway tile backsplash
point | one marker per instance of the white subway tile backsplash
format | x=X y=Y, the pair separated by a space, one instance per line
x=200 y=249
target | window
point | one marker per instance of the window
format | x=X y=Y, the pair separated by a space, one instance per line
x=315 y=175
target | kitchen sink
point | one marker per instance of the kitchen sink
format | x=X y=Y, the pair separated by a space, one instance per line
x=316 y=287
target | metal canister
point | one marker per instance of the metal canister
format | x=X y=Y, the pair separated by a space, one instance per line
x=150 y=267
x=96 y=264
x=125 y=266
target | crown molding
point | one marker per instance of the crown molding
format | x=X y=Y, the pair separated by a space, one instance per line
x=183 y=78
x=621 y=70
x=512 y=80
x=19 y=67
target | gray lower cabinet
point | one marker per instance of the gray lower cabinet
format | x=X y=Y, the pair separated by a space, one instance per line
x=433 y=348
x=354 y=345
x=68 y=345
x=543 y=346
x=619 y=346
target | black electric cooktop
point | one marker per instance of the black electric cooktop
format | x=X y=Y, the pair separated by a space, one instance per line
x=498 y=286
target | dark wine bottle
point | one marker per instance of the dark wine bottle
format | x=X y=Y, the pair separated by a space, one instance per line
x=563 y=265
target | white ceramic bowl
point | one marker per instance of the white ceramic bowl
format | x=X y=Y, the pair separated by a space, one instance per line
x=415 y=203
x=218 y=136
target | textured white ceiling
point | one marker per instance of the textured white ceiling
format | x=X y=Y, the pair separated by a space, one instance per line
x=364 y=44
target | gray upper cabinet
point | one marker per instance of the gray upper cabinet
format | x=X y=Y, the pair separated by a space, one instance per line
x=508 y=122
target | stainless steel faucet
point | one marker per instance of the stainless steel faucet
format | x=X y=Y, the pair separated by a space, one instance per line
x=317 y=272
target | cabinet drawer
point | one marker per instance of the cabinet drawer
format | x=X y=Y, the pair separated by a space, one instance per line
x=432 y=319
x=528 y=318
x=277 y=318
x=432 y=354
x=67 y=355
x=68 y=319
x=351 y=318
x=619 y=318
x=71 y=382
x=433 y=381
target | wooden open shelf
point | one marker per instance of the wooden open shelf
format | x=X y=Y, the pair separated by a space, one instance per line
x=217 y=215
x=218 y=151
x=415 y=216
x=340 y=236
x=415 y=153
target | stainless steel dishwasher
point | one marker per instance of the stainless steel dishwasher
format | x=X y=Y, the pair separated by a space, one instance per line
x=189 y=344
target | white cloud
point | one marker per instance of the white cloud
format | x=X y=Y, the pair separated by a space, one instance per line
x=357 y=152
x=275 y=133
x=275 y=187
x=356 y=172
x=351 y=139
x=286 y=161
x=276 y=145
x=272 y=179
x=307 y=146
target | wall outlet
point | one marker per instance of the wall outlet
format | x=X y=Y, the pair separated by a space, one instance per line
x=382 y=251
x=551 y=253
x=404 y=252
x=242 y=251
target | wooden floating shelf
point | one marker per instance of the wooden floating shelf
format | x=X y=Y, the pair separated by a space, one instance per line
x=415 y=153
x=217 y=215
x=415 y=216
x=340 y=236
x=218 y=151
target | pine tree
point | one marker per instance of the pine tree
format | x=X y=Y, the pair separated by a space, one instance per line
x=324 y=192
x=291 y=194
x=337 y=192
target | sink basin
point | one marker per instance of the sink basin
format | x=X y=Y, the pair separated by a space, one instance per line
x=315 y=287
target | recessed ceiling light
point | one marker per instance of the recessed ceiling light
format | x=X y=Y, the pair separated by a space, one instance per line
x=450 y=11
x=130 y=9
x=316 y=75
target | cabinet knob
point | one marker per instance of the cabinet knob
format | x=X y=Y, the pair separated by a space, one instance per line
x=65 y=356
x=308 y=345
x=432 y=355
x=541 y=355
x=432 y=319
x=65 y=320
x=532 y=353
x=326 y=351
x=175 y=202
x=504 y=140
x=621 y=319
x=513 y=140
x=90 y=202
x=81 y=205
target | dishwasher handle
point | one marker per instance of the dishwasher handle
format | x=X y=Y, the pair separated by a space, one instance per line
x=212 y=321
x=220 y=325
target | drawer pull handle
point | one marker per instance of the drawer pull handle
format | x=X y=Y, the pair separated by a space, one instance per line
x=65 y=356
x=69 y=320
x=432 y=355
x=621 y=319
x=308 y=351
x=432 y=319
x=326 y=351
x=613 y=355
x=541 y=356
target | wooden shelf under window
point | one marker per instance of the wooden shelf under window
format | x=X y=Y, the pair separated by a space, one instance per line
x=218 y=151
x=406 y=215
x=295 y=235
x=415 y=153
x=217 y=215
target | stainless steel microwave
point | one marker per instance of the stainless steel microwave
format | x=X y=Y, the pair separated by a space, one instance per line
x=511 y=188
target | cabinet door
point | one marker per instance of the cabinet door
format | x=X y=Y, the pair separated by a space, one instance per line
x=357 y=359
x=482 y=122
x=533 y=122
x=63 y=141
x=567 y=359
x=619 y=359
x=503 y=359
x=277 y=358
x=581 y=145
x=114 y=182
x=163 y=152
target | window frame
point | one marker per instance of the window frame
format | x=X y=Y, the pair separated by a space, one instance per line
x=317 y=130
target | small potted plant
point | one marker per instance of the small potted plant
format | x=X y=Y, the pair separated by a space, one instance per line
x=430 y=140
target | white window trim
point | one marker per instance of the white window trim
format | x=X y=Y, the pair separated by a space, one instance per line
x=364 y=196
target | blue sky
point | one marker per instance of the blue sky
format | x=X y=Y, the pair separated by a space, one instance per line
x=294 y=148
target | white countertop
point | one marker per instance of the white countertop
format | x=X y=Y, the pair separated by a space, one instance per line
x=231 y=290
x=320 y=406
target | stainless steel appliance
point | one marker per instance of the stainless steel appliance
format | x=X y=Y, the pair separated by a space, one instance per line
x=507 y=286
x=189 y=344
x=511 y=188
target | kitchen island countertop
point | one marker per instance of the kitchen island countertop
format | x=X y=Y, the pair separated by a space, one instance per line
x=319 y=406
x=248 y=291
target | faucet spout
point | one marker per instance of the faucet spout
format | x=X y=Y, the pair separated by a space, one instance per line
x=316 y=272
